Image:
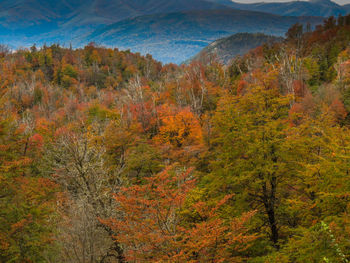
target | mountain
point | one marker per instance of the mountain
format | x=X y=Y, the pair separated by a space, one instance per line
x=109 y=11
x=27 y=13
x=61 y=20
x=176 y=37
x=347 y=8
x=225 y=49
x=171 y=30
x=323 y=8
x=34 y=12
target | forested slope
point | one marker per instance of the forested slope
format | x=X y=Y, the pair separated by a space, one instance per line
x=226 y=49
x=324 y=8
x=108 y=156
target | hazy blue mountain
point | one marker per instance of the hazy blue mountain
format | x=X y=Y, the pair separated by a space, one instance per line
x=25 y=21
x=109 y=11
x=225 y=49
x=82 y=12
x=323 y=8
x=347 y=8
x=176 y=37
x=171 y=30
x=27 y=13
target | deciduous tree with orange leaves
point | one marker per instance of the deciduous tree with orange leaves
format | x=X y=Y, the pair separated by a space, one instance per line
x=152 y=228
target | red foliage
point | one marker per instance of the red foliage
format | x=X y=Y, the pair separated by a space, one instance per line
x=338 y=109
x=150 y=230
x=36 y=141
x=242 y=85
x=299 y=88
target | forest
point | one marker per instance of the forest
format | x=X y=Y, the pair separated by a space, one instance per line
x=110 y=156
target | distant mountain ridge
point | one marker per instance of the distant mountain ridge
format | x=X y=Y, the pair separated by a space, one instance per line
x=347 y=8
x=171 y=30
x=225 y=49
x=24 y=22
x=88 y=12
x=324 y=8
x=175 y=37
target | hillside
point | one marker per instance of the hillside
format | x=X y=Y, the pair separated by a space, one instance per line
x=225 y=49
x=34 y=12
x=347 y=8
x=176 y=37
x=323 y=8
x=111 y=157
x=172 y=31
x=25 y=22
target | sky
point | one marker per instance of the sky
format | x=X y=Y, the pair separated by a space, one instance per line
x=342 y=2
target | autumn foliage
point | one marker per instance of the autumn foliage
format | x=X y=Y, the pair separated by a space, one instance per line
x=109 y=156
x=151 y=228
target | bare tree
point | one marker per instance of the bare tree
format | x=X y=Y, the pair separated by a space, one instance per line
x=4 y=50
x=78 y=165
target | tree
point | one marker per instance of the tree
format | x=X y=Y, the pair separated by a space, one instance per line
x=295 y=37
x=327 y=246
x=4 y=50
x=179 y=129
x=251 y=150
x=27 y=199
x=152 y=230
x=180 y=134
x=76 y=161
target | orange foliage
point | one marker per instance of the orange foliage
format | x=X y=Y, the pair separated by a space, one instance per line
x=179 y=128
x=296 y=113
x=36 y=141
x=241 y=87
x=338 y=109
x=150 y=230
x=299 y=88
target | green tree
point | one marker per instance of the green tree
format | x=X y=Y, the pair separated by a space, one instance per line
x=252 y=158
x=26 y=199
